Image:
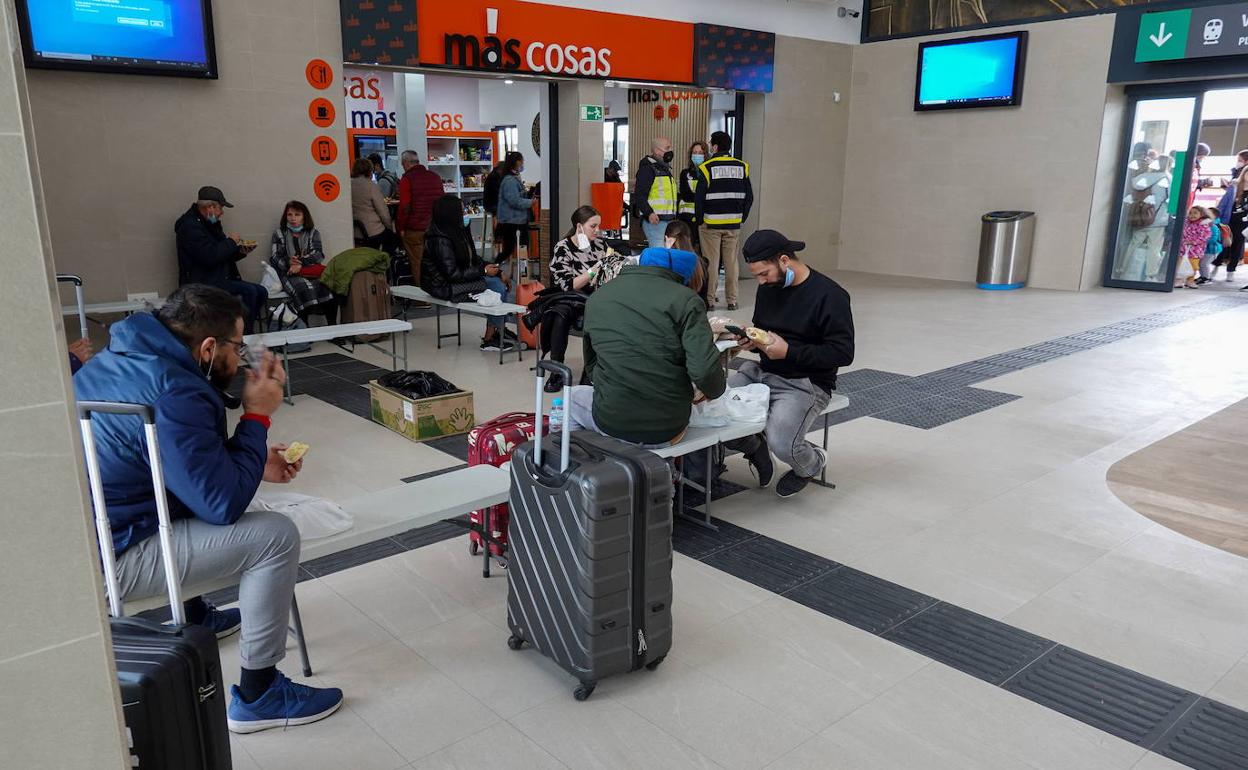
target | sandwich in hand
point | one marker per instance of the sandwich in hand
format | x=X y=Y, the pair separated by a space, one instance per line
x=758 y=336
x=295 y=452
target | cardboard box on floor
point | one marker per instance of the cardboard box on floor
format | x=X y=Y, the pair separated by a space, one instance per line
x=424 y=418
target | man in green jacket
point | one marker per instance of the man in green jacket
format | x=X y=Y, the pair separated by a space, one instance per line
x=647 y=344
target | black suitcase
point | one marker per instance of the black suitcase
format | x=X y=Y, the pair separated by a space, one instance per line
x=170 y=676
x=590 y=568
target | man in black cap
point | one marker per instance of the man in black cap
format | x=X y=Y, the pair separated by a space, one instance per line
x=207 y=255
x=810 y=335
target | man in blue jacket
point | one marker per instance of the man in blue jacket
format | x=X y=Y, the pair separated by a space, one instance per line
x=180 y=360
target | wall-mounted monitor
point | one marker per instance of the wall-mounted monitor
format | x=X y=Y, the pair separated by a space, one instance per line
x=984 y=71
x=143 y=37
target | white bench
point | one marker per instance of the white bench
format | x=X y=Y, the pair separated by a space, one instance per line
x=699 y=439
x=380 y=515
x=503 y=309
x=125 y=306
x=391 y=326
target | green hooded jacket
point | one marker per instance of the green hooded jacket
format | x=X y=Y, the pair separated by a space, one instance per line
x=343 y=267
x=647 y=344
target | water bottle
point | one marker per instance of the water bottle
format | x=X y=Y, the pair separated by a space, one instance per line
x=556 y=416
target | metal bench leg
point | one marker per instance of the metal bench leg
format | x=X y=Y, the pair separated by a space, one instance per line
x=459 y=328
x=823 y=475
x=519 y=344
x=290 y=399
x=437 y=315
x=297 y=631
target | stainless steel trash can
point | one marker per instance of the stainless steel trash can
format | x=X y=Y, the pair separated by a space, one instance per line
x=1005 y=239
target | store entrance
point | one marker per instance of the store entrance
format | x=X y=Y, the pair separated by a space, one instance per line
x=1179 y=152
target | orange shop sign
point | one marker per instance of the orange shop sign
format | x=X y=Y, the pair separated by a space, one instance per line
x=514 y=36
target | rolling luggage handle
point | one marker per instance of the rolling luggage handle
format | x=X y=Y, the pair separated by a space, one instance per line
x=566 y=432
x=82 y=307
x=103 y=531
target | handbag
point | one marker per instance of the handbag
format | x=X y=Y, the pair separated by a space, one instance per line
x=463 y=291
x=312 y=271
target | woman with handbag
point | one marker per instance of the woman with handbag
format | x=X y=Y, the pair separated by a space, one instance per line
x=295 y=253
x=451 y=269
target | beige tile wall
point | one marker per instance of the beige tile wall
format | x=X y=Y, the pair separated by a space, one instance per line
x=800 y=180
x=56 y=670
x=123 y=155
x=916 y=183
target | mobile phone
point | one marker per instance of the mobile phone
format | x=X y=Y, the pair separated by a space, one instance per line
x=737 y=330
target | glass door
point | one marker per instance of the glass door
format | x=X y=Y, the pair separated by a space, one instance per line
x=1153 y=180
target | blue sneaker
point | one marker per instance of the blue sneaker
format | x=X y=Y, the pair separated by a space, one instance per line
x=223 y=623
x=284 y=704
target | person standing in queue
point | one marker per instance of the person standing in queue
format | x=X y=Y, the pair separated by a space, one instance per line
x=514 y=207
x=419 y=188
x=723 y=201
x=687 y=192
x=654 y=196
x=809 y=334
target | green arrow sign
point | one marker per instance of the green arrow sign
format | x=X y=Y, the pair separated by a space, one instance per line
x=1163 y=35
x=591 y=112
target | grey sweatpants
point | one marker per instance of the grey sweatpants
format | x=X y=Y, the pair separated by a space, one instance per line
x=794 y=406
x=261 y=548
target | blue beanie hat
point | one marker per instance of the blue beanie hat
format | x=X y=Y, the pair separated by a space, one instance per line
x=676 y=260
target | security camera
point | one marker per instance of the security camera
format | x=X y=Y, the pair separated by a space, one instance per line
x=842 y=12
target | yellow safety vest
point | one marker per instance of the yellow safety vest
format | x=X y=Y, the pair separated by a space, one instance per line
x=662 y=196
x=687 y=207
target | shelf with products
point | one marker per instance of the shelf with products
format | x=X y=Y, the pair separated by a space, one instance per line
x=463 y=156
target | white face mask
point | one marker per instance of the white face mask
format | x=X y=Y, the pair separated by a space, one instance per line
x=581 y=240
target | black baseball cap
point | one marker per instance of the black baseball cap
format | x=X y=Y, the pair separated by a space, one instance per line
x=213 y=194
x=768 y=244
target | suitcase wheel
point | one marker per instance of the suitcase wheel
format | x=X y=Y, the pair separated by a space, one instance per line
x=473 y=547
x=584 y=691
x=652 y=665
x=515 y=643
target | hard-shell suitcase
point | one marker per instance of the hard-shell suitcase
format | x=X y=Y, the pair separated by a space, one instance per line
x=492 y=443
x=170 y=676
x=525 y=294
x=368 y=300
x=590 y=567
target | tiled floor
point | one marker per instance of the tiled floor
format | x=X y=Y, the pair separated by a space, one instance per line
x=1004 y=513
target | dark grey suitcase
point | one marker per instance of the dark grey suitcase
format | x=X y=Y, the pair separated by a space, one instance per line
x=169 y=676
x=590 y=568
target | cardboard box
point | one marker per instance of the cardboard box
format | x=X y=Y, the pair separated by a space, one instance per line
x=425 y=418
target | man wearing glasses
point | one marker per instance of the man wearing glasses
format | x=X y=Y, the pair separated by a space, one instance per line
x=180 y=360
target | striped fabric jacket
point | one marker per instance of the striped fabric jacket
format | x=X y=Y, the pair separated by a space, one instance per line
x=724 y=193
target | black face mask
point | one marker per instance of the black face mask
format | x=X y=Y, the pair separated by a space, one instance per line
x=668 y=156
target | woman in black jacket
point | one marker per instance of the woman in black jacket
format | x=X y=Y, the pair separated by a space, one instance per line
x=451 y=269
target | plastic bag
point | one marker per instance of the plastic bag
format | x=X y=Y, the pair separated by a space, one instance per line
x=712 y=413
x=416 y=384
x=270 y=280
x=315 y=517
x=488 y=298
x=748 y=403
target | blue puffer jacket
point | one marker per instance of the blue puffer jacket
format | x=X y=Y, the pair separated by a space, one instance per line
x=208 y=475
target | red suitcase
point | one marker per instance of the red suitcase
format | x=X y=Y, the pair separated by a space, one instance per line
x=492 y=443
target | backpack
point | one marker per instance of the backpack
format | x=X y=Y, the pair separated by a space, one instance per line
x=392 y=179
x=1141 y=213
x=368 y=300
x=493 y=181
x=284 y=319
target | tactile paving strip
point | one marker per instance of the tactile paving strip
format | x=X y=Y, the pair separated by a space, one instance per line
x=1111 y=698
x=861 y=600
x=698 y=542
x=931 y=412
x=859 y=380
x=771 y=564
x=1210 y=735
x=971 y=643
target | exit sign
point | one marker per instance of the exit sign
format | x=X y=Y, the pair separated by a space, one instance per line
x=1193 y=33
x=591 y=112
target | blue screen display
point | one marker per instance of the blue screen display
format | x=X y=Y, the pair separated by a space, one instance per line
x=976 y=71
x=145 y=33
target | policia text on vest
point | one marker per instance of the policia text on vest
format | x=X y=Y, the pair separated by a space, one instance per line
x=723 y=198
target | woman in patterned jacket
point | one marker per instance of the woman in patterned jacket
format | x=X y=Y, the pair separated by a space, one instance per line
x=297 y=256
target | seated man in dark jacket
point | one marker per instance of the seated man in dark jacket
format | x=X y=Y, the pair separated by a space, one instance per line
x=810 y=330
x=178 y=361
x=450 y=268
x=207 y=255
x=647 y=345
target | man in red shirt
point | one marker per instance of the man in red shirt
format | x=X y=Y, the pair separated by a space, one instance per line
x=418 y=189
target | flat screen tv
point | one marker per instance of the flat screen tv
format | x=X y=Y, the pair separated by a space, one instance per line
x=143 y=37
x=982 y=71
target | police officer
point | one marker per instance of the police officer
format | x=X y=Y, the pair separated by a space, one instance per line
x=654 y=198
x=687 y=195
x=723 y=201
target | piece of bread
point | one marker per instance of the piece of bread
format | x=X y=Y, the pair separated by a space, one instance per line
x=295 y=452
x=758 y=336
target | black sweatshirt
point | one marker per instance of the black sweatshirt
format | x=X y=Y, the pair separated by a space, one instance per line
x=815 y=319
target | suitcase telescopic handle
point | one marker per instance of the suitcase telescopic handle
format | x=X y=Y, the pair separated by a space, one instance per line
x=103 y=531
x=565 y=443
x=82 y=307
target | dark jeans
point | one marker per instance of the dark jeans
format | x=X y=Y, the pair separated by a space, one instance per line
x=255 y=300
x=1233 y=255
